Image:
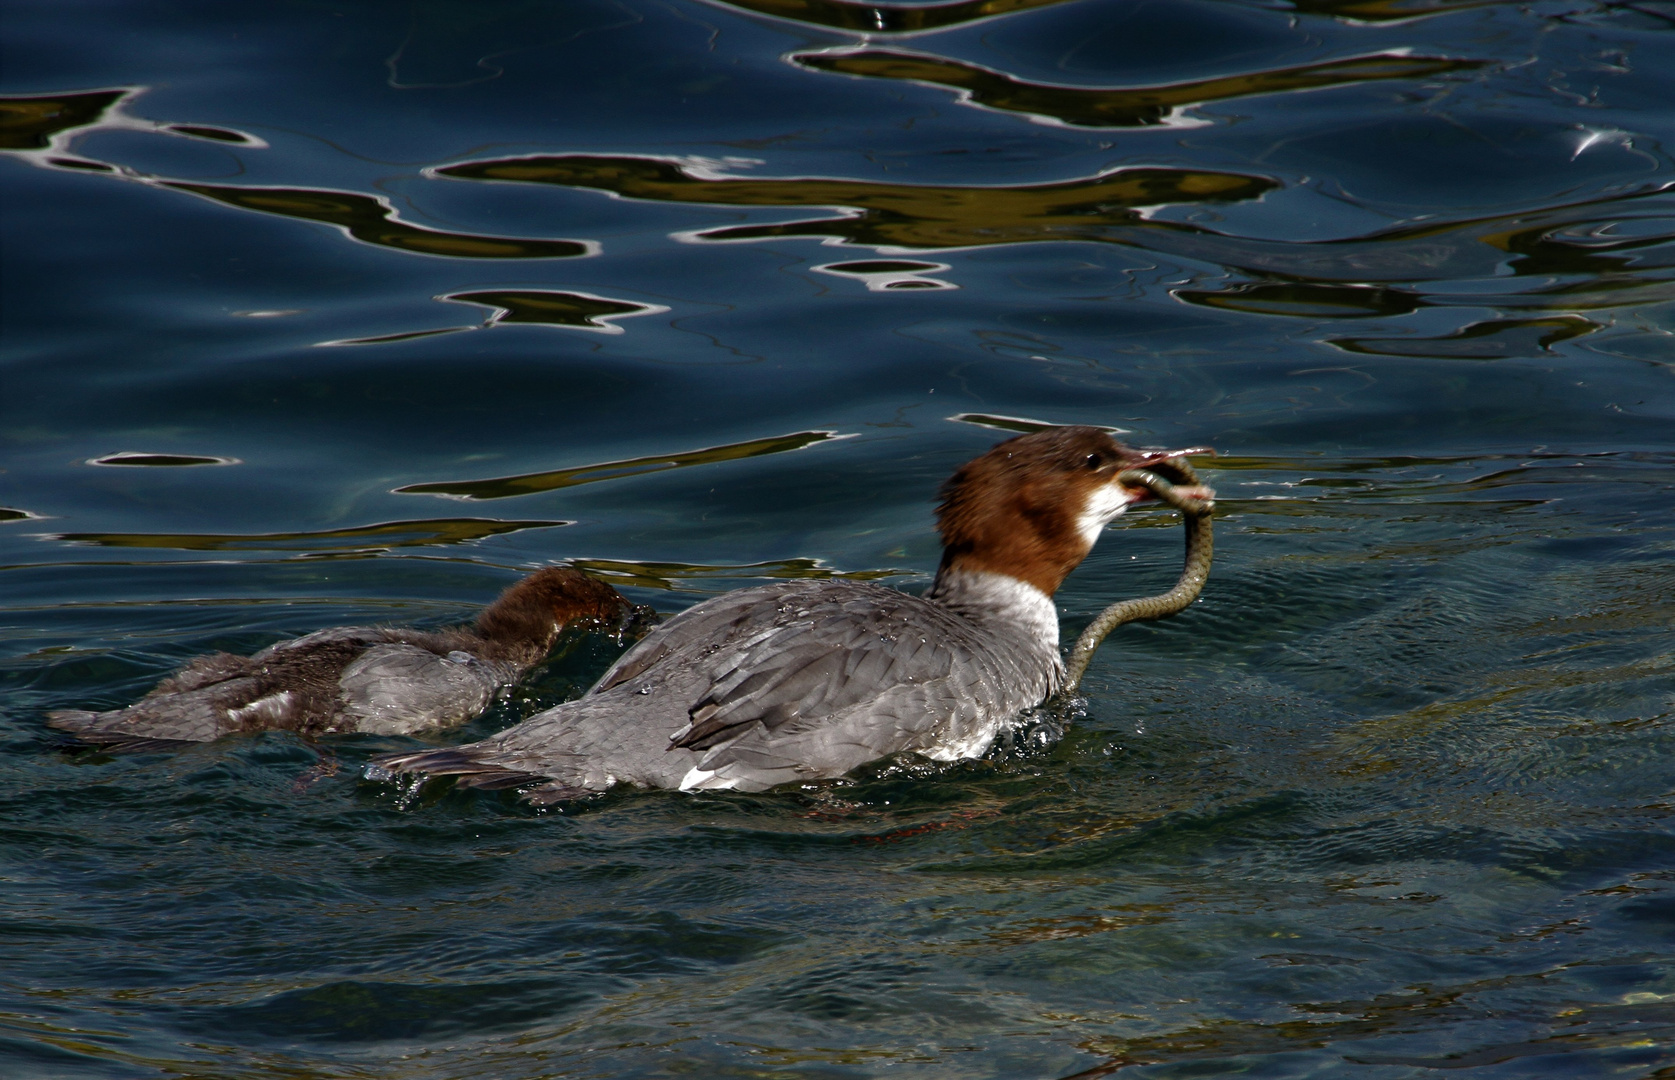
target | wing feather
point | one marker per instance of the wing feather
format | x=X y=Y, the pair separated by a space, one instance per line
x=840 y=652
x=763 y=686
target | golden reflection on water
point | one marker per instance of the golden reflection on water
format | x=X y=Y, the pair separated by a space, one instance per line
x=882 y=214
x=372 y=220
x=364 y=538
x=537 y=307
x=1138 y=106
x=40 y=127
x=576 y=310
x=1488 y=340
x=213 y=134
x=30 y=122
x=504 y=487
x=1584 y=246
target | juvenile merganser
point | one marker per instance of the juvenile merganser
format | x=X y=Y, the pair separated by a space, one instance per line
x=375 y=679
x=804 y=680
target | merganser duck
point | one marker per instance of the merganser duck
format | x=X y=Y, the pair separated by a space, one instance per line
x=374 y=679
x=804 y=680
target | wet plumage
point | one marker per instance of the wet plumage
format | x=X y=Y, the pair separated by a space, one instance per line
x=810 y=679
x=379 y=680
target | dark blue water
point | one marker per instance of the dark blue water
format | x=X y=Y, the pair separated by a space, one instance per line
x=317 y=313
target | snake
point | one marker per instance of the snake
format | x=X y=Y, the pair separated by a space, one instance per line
x=1200 y=547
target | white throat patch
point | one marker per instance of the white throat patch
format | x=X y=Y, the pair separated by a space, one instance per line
x=1106 y=502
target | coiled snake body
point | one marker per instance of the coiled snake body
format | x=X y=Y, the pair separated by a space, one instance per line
x=1200 y=547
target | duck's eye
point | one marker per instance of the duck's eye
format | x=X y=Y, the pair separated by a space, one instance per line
x=1095 y=461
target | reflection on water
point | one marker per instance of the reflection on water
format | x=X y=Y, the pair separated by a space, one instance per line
x=673 y=575
x=400 y=335
x=873 y=18
x=886 y=18
x=213 y=134
x=1019 y=425
x=1487 y=340
x=885 y=275
x=573 y=310
x=40 y=128
x=888 y=215
x=372 y=220
x=134 y=457
x=40 y=123
x=1377 y=11
x=362 y=539
x=504 y=487
x=1394 y=794
x=1588 y=255
x=1307 y=300
x=540 y=307
x=1139 y=106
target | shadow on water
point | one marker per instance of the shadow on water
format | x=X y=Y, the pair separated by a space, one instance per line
x=611 y=950
x=1420 y=1009
x=357 y=1011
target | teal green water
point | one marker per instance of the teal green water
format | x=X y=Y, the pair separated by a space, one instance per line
x=319 y=313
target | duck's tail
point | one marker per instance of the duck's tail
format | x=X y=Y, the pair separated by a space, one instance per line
x=84 y=728
x=463 y=762
x=471 y=767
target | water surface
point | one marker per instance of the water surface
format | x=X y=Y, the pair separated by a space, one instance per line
x=320 y=313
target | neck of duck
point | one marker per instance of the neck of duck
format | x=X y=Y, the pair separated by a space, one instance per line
x=517 y=632
x=996 y=599
x=521 y=651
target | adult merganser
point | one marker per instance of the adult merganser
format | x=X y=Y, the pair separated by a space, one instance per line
x=804 y=680
x=375 y=679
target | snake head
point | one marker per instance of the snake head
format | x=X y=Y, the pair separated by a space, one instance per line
x=1170 y=467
